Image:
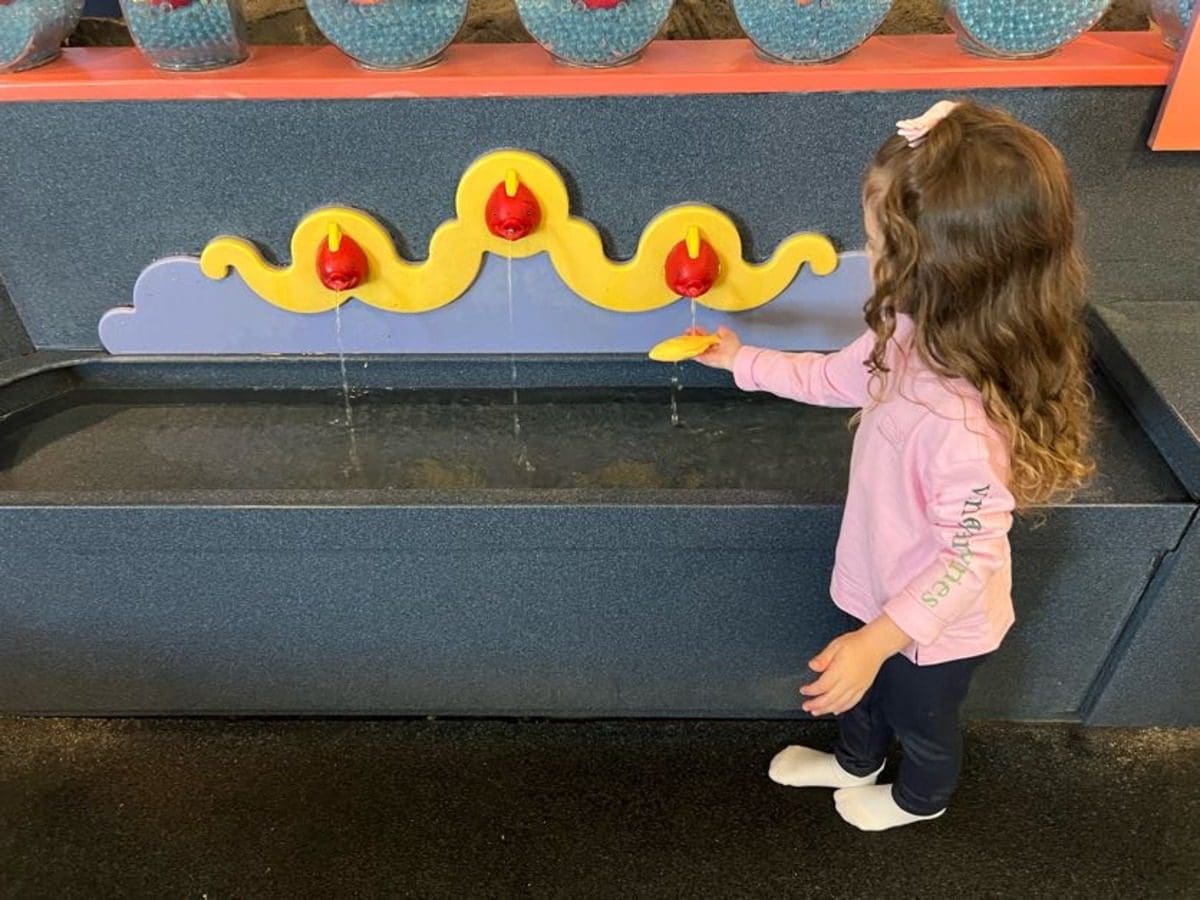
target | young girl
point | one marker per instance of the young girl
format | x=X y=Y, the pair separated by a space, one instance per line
x=972 y=385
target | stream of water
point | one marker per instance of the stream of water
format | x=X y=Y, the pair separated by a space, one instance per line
x=522 y=453
x=354 y=463
x=675 y=376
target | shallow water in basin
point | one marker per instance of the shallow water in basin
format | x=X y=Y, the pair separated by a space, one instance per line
x=116 y=440
x=112 y=440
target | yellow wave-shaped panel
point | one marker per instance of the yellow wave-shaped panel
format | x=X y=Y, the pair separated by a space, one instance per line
x=457 y=247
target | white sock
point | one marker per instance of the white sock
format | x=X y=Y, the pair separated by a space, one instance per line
x=871 y=808
x=797 y=766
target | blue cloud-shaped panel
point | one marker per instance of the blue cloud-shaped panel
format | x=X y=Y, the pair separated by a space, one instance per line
x=177 y=310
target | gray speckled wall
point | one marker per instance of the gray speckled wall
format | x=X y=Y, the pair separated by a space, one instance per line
x=1151 y=351
x=1153 y=677
x=93 y=192
x=14 y=341
x=568 y=610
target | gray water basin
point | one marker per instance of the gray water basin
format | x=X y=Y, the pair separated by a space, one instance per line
x=141 y=437
x=203 y=538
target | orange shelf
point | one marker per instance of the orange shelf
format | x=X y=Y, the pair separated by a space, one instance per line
x=883 y=63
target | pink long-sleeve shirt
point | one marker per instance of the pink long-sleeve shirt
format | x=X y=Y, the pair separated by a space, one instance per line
x=924 y=536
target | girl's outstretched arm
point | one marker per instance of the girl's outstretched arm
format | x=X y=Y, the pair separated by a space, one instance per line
x=820 y=379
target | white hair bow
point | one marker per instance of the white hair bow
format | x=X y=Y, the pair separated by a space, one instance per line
x=915 y=130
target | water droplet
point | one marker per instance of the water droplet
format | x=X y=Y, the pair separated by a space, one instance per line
x=675 y=397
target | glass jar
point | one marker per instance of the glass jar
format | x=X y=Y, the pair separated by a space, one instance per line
x=1172 y=18
x=1020 y=29
x=187 y=35
x=390 y=34
x=32 y=31
x=594 y=32
x=809 y=31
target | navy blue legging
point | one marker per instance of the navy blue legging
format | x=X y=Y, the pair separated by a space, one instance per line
x=919 y=706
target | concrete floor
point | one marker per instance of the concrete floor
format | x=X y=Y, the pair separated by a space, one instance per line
x=217 y=808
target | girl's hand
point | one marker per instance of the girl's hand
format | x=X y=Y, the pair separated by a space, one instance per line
x=722 y=355
x=849 y=664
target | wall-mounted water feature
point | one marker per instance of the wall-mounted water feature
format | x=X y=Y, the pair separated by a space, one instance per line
x=513 y=226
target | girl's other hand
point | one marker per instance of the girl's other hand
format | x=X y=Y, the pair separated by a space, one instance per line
x=849 y=664
x=721 y=355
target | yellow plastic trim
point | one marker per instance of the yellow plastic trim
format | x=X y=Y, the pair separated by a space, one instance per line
x=457 y=247
x=335 y=237
x=693 y=242
x=511 y=182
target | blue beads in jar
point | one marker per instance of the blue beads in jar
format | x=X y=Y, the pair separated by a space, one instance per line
x=809 y=31
x=1020 y=28
x=32 y=31
x=594 y=32
x=187 y=35
x=390 y=34
x=1172 y=18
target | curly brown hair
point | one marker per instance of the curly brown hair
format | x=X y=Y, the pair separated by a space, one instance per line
x=975 y=239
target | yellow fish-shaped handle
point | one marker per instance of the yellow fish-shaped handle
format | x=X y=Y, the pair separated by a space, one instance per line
x=685 y=346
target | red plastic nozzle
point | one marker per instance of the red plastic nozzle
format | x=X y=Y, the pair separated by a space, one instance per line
x=691 y=276
x=342 y=269
x=513 y=216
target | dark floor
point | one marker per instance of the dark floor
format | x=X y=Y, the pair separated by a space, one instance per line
x=215 y=808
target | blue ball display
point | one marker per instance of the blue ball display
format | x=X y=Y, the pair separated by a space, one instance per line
x=575 y=34
x=819 y=30
x=204 y=34
x=390 y=34
x=1172 y=17
x=31 y=31
x=1021 y=28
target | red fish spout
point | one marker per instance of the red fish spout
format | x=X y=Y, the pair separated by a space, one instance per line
x=692 y=271
x=602 y=4
x=513 y=212
x=174 y=4
x=343 y=268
